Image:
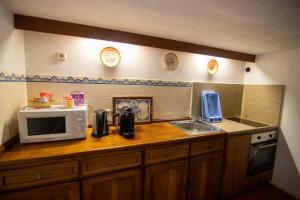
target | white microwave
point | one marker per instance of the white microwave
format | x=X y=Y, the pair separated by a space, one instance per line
x=51 y=124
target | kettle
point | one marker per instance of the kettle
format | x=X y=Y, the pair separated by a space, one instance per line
x=126 y=122
x=100 y=126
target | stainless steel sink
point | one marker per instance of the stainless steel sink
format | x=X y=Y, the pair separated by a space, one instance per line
x=195 y=127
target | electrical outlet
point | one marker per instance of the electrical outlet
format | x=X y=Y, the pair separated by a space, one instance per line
x=61 y=56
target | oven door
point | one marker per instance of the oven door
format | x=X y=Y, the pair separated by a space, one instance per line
x=262 y=157
x=43 y=127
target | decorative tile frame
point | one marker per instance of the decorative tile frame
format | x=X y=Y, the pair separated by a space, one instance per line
x=14 y=77
x=138 y=104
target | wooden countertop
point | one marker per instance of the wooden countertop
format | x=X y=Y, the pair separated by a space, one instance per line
x=155 y=133
x=146 y=135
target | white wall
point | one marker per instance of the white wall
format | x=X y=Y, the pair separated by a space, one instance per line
x=283 y=68
x=12 y=57
x=137 y=61
x=12 y=60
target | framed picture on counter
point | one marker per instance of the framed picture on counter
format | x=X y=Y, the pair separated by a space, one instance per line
x=142 y=107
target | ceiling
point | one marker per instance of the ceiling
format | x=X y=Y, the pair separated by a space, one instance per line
x=252 y=26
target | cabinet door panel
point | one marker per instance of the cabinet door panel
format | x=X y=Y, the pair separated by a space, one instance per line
x=67 y=191
x=235 y=176
x=166 y=181
x=205 y=176
x=124 y=185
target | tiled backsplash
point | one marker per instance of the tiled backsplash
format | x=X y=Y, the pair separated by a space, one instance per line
x=263 y=103
x=170 y=99
x=231 y=96
x=168 y=102
x=260 y=103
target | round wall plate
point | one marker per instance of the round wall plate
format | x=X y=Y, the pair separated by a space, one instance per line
x=171 y=61
x=212 y=66
x=110 y=56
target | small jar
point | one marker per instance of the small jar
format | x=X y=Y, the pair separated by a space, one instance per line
x=68 y=102
x=78 y=98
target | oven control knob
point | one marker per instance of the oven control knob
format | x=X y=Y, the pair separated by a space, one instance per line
x=258 y=137
x=270 y=135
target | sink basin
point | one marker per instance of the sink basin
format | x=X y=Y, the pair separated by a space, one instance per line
x=195 y=127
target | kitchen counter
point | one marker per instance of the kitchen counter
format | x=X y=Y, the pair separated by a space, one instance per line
x=146 y=135
x=235 y=128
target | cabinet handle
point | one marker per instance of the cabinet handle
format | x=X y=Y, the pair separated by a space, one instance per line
x=246 y=158
x=188 y=186
x=166 y=155
x=115 y=163
x=185 y=187
x=37 y=176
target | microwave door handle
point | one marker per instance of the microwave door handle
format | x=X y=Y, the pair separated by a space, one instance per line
x=267 y=145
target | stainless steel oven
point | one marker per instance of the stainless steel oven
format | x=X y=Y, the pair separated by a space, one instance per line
x=262 y=152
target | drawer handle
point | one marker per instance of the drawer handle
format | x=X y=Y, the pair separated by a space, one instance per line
x=37 y=176
x=168 y=154
x=115 y=164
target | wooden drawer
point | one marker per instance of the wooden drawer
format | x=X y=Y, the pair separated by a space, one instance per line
x=166 y=153
x=110 y=162
x=207 y=146
x=65 y=191
x=30 y=176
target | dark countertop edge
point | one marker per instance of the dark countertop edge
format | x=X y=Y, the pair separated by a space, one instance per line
x=75 y=156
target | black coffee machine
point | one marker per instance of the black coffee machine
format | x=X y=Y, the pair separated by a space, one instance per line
x=126 y=122
x=100 y=126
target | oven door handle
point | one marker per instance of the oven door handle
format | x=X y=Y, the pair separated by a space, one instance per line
x=266 y=146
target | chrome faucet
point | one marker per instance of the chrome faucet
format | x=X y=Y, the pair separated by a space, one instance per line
x=196 y=118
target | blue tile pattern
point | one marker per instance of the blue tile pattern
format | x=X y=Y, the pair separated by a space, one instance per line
x=12 y=77
x=88 y=80
x=141 y=107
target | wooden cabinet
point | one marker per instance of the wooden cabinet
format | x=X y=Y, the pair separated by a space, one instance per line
x=123 y=185
x=68 y=191
x=235 y=175
x=205 y=176
x=174 y=170
x=166 y=181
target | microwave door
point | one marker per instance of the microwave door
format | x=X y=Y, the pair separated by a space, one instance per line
x=46 y=126
x=38 y=127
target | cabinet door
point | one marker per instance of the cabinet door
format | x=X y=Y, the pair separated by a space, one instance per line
x=67 y=191
x=123 y=185
x=166 y=181
x=236 y=161
x=205 y=176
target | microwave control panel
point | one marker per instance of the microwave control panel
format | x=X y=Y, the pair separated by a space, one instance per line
x=79 y=123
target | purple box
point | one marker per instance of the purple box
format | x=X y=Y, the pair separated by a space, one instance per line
x=78 y=98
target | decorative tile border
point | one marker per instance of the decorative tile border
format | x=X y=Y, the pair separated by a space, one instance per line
x=12 y=77
x=88 y=80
